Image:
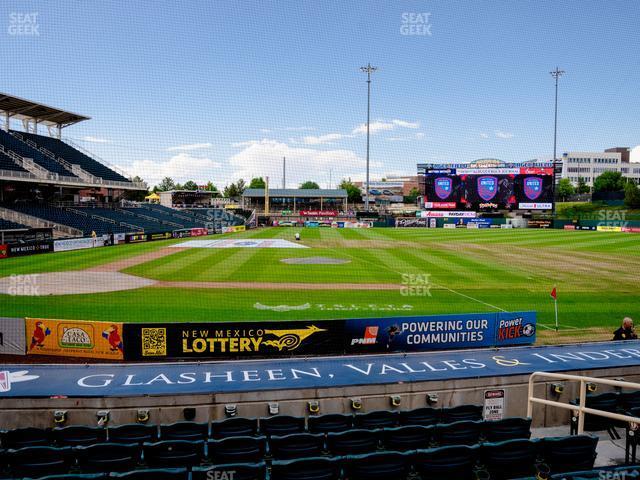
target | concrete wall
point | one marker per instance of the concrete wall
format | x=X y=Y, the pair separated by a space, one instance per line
x=167 y=409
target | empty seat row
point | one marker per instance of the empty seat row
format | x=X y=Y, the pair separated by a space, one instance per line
x=9 y=225
x=24 y=150
x=615 y=402
x=500 y=460
x=236 y=426
x=7 y=163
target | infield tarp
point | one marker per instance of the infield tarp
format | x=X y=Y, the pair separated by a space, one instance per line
x=12 y=336
x=288 y=374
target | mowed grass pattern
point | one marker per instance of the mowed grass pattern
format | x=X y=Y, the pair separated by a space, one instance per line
x=597 y=275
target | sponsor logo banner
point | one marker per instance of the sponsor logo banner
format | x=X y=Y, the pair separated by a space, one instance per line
x=569 y=227
x=536 y=171
x=12 y=337
x=450 y=214
x=199 y=232
x=436 y=332
x=631 y=229
x=4 y=251
x=318 y=213
x=539 y=224
x=440 y=204
x=488 y=171
x=412 y=222
x=309 y=373
x=77 y=244
x=73 y=338
x=234 y=229
x=232 y=340
x=535 y=206
x=608 y=228
x=159 y=236
x=135 y=237
x=20 y=250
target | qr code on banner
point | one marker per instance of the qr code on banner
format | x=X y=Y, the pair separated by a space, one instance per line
x=154 y=342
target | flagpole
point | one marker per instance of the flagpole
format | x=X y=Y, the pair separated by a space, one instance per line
x=555 y=302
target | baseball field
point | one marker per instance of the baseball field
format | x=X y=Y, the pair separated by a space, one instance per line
x=343 y=273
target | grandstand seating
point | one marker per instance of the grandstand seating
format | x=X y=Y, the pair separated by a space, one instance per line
x=7 y=163
x=21 y=148
x=615 y=402
x=191 y=449
x=75 y=156
x=9 y=225
x=183 y=221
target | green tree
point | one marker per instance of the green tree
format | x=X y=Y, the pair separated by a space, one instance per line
x=354 y=194
x=565 y=189
x=632 y=195
x=257 y=182
x=190 y=185
x=236 y=189
x=166 y=184
x=609 y=182
x=582 y=186
x=210 y=187
x=413 y=196
x=309 y=185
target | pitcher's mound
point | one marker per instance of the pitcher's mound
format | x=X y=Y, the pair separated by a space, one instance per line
x=70 y=283
x=315 y=261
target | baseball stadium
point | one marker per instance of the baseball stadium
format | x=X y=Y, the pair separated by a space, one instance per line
x=299 y=310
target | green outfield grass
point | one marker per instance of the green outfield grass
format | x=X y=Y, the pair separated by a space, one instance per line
x=596 y=273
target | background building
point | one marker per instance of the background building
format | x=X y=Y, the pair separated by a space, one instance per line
x=590 y=165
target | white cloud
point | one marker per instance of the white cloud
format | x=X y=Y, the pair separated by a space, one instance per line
x=404 y=124
x=419 y=135
x=91 y=139
x=180 y=167
x=501 y=134
x=189 y=147
x=407 y=138
x=484 y=135
x=381 y=125
x=328 y=138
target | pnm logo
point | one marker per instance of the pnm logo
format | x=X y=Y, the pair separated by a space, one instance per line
x=370 y=336
x=289 y=340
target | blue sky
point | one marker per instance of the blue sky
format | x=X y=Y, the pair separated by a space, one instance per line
x=215 y=90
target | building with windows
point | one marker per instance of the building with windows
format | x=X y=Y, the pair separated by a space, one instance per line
x=590 y=165
x=294 y=200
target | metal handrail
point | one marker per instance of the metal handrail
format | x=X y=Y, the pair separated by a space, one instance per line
x=580 y=408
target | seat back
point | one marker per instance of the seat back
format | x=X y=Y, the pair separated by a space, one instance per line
x=461 y=412
x=77 y=435
x=330 y=422
x=376 y=466
x=297 y=445
x=25 y=437
x=420 y=416
x=566 y=454
x=506 y=429
x=377 y=419
x=318 y=468
x=133 y=433
x=184 y=431
x=234 y=427
x=237 y=449
x=108 y=457
x=39 y=461
x=174 y=453
x=452 y=462
x=410 y=437
x=465 y=432
x=510 y=458
x=281 y=425
x=353 y=442
x=629 y=400
x=154 y=474
x=235 y=471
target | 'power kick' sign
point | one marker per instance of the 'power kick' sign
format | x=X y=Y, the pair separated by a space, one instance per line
x=437 y=332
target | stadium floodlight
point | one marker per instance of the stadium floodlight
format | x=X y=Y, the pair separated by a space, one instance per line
x=369 y=69
x=556 y=74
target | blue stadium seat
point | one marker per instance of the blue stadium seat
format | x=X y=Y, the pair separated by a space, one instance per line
x=7 y=163
x=420 y=416
x=376 y=419
x=377 y=466
x=609 y=402
x=155 y=474
x=453 y=462
x=409 y=437
x=353 y=442
x=173 y=453
x=465 y=432
x=234 y=427
x=282 y=425
x=235 y=471
x=461 y=412
x=78 y=476
x=629 y=400
x=506 y=429
x=237 y=449
x=509 y=459
x=108 y=457
x=566 y=454
x=297 y=445
x=77 y=435
x=330 y=422
x=133 y=433
x=319 y=468
x=27 y=151
x=39 y=461
x=26 y=437
x=184 y=431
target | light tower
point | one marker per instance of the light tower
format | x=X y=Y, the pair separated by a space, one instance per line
x=368 y=70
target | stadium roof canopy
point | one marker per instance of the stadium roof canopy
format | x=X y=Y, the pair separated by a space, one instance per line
x=21 y=109
x=296 y=193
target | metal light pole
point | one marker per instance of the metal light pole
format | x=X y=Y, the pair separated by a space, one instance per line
x=556 y=74
x=368 y=70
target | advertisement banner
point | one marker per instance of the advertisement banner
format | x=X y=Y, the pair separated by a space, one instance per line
x=430 y=205
x=608 y=228
x=199 y=232
x=539 y=224
x=159 y=236
x=535 y=206
x=12 y=337
x=631 y=229
x=73 y=338
x=410 y=222
x=318 y=213
x=234 y=229
x=135 y=237
x=20 y=250
x=232 y=340
x=569 y=227
x=4 y=251
x=452 y=214
x=437 y=332
x=77 y=244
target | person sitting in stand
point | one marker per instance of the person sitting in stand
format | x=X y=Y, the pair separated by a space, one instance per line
x=626 y=331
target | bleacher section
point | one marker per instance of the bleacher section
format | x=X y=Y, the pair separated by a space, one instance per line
x=75 y=156
x=385 y=445
x=218 y=216
x=9 y=142
x=7 y=163
x=164 y=214
x=9 y=225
